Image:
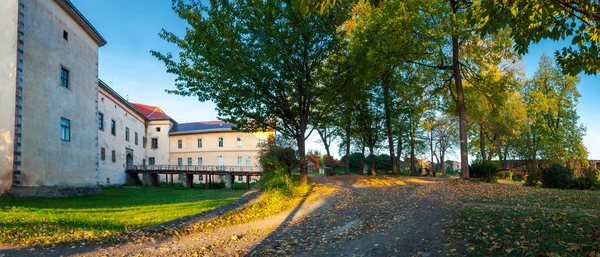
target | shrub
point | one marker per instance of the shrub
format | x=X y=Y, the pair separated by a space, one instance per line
x=517 y=177
x=556 y=176
x=451 y=171
x=485 y=171
x=382 y=162
x=532 y=177
x=315 y=160
x=355 y=159
x=279 y=181
x=588 y=179
x=281 y=157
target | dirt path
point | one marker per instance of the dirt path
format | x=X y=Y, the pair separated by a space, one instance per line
x=365 y=221
x=365 y=217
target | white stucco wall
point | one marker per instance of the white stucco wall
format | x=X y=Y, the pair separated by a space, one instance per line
x=210 y=150
x=160 y=154
x=47 y=160
x=125 y=117
x=8 y=59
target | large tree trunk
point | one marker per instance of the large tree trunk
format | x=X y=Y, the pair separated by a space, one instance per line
x=443 y=170
x=431 y=147
x=302 y=152
x=347 y=163
x=481 y=142
x=323 y=134
x=413 y=168
x=399 y=149
x=372 y=160
x=462 y=114
x=388 y=125
x=362 y=160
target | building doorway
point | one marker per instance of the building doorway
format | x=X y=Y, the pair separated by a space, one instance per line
x=220 y=162
x=128 y=158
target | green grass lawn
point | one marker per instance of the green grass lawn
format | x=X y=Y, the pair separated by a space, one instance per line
x=39 y=221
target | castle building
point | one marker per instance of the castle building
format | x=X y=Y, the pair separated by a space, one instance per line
x=64 y=132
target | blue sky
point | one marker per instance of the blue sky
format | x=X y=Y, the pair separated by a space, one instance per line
x=131 y=28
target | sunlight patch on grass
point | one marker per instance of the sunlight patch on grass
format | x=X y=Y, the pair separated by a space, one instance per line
x=379 y=181
x=419 y=181
x=39 y=221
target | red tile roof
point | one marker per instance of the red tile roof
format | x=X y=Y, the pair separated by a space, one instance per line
x=151 y=112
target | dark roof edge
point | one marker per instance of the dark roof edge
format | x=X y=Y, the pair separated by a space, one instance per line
x=82 y=20
x=120 y=98
x=169 y=119
x=203 y=131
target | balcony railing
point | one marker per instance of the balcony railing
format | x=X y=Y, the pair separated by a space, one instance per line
x=194 y=168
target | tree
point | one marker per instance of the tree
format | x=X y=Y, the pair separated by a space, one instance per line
x=368 y=121
x=554 y=133
x=271 y=155
x=258 y=76
x=532 y=21
x=445 y=137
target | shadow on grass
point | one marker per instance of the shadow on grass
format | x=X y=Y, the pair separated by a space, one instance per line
x=287 y=222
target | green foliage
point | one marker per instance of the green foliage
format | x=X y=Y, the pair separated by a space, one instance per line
x=532 y=177
x=279 y=157
x=451 y=171
x=531 y=21
x=517 y=177
x=484 y=170
x=279 y=181
x=382 y=162
x=355 y=160
x=556 y=176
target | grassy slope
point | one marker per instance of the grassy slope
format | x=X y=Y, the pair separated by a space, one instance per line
x=34 y=221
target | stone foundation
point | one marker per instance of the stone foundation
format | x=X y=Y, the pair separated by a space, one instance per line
x=187 y=180
x=132 y=179
x=54 y=192
x=150 y=179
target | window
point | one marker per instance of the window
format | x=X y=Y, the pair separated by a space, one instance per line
x=64 y=77
x=199 y=142
x=189 y=161
x=240 y=178
x=201 y=178
x=113 y=127
x=248 y=161
x=221 y=178
x=157 y=129
x=220 y=142
x=239 y=160
x=114 y=156
x=136 y=138
x=151 y=160
x=199 y=161
x=65 y=129
x=144 y=142
x=239 y=141
x=261 y=142
x=101 y=121
x=102 y=153
x=179 y=161
x=179 y=144
x=126 y=134
x=65 y=35
x=154 y=143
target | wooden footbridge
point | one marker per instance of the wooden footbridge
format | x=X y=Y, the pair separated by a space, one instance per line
x=152 y=173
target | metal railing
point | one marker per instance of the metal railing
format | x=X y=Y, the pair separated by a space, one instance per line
x=192 y=168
